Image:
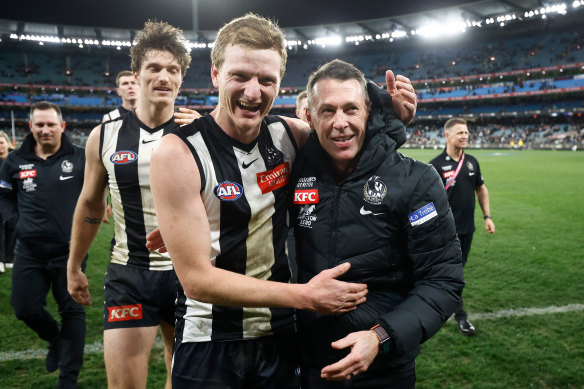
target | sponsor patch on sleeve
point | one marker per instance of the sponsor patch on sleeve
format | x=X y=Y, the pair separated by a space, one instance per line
x=423 y=214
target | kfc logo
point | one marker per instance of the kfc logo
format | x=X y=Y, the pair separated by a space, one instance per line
x=27 y=174
x=125 y=312
x=306 y=196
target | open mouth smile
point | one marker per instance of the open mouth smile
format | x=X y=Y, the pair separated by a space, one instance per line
x=249 y=106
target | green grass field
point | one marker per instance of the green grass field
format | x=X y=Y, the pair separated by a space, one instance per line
x=534 y=260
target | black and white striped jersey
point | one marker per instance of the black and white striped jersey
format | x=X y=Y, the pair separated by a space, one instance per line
x=119 y=112
x=244 y=188
x=125 y=148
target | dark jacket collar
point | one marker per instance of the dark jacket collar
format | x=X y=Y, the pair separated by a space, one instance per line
x=27 y=148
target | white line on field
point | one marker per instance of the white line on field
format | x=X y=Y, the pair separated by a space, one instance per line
x=97 y=347
x=526 y=312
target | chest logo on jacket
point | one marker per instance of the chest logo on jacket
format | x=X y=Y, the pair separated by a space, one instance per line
x=28 y=185
x=24 y=174
x=66 y=166
x=305 y=216
x=309 y=196
x=374 y=190
x=124 y=157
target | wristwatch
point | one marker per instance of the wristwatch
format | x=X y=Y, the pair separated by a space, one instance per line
x=487 y=217
x=384 y=339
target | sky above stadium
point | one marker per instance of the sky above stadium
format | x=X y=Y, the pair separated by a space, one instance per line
x=212 y=14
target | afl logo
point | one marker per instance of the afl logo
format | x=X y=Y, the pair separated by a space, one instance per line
x=228 y=191
x=124 y=157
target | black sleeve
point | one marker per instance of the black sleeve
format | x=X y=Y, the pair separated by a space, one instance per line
x=434 y=252
x=8 y=191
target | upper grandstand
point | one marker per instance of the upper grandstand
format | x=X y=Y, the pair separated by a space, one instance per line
x=515 y=59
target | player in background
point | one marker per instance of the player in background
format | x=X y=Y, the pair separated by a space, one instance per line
x=127 y=88
x=140 y=285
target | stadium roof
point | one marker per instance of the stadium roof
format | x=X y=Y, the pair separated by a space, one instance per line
x=430 y=21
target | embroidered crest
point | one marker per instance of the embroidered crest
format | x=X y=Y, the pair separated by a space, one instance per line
x=66 y=166
x=374 y=190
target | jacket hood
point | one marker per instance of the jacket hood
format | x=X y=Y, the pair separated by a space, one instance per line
x=382 y=118
x=26 y=149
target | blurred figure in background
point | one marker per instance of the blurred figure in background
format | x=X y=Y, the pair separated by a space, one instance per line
x=7 y=237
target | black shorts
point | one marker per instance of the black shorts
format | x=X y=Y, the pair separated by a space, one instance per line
x=267 y=362
x=138 y=297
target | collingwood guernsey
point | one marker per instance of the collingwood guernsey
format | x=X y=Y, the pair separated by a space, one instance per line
x=244 y=188
x=125 y=148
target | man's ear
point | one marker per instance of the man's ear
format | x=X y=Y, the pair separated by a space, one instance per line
x=309 y=118
x=214 y=75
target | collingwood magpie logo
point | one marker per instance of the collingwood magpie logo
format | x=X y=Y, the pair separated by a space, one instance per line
x=66 y=166
x=470 y=166
x=274 y=156
x=374 y=190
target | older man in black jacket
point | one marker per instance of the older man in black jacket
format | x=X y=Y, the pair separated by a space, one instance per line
x=358 y=200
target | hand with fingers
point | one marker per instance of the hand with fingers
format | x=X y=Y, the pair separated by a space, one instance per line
x=364 y=348
x=154 y=242
x=186 y=116
x=78 y=287
x=107 y=214
x=403 y=96
x=329 y=295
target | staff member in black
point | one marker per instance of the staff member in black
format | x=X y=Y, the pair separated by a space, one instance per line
x=39 y=186
x=7 y=240
x=462 y=178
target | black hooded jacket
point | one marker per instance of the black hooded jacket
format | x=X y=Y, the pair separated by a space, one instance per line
x=39 y=196
x=391 y=220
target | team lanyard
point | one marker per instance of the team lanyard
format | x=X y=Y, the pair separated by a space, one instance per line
x=450 y=180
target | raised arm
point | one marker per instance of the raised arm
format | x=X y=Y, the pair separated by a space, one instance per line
x=87 y=218
x=183 y=223
x=403 y=96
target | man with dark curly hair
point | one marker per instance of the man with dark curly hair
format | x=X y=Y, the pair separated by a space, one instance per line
x=140 y=285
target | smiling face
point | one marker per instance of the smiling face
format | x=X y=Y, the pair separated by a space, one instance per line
x=47 y=129
x=159 y=78
x=339 y=115
x=457 y=136
x=248 y=82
